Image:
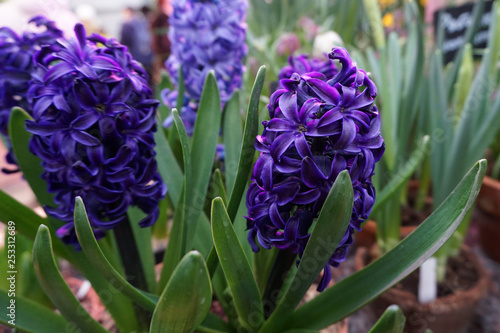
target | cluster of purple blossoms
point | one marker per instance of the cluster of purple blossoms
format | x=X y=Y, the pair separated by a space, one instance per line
x=16 y=66
x=206 y=35
x=319 y=126
x=302 y=64
x=94 y=120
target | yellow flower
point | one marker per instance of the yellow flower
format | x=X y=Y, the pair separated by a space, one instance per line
x=388 y=20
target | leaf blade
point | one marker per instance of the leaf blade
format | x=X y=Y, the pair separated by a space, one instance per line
x=186 y=299
x=337 y=207
x=56 y=288
x=363 y=286
x=92 y=250
x=236 y=268
x=392 y=321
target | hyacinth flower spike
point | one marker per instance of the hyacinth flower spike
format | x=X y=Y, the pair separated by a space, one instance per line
x=93 y=129
x=205 y=36
x=319 y=126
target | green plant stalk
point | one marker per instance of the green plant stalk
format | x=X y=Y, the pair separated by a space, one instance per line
x=452 y=247
x=281 y=267
x=372 y=9
x=389 y=223
x=132 y=265
x=464 y=81
x=425 y=183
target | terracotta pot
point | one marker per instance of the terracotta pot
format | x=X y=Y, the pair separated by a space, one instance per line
x=452 y=313
x=487 y=216
x=367 y=237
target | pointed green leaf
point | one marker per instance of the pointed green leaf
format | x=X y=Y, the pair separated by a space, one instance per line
x=247 y=147
x=179 y=103
x=205 y=137
x=29 y=164
x=56 y=288
x=186 y=299
x=236 y=268
x=330 y=228
x=143 y=236
x=246 y=157
x=92 y=250
x=232 y=134
x=366 y=284
x=217 y=188
x=186 y=157
x=392 y=321
x=177 y=240
x=168 y=167
x=31 y=316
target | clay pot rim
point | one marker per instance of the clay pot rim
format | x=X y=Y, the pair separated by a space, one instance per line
x=476 y=292
x=491 y=182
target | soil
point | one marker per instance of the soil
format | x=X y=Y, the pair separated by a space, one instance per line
x=486 y=318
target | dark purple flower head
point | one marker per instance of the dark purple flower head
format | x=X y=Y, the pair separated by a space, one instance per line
x=208 y=35
x=94 y=119
x=302 y=64
x=320 y=125
x=17 y=63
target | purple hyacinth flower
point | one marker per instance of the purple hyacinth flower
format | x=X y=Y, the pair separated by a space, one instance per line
x=94 y=119
x=17 y=54
x=207 y=35
x=320 y=125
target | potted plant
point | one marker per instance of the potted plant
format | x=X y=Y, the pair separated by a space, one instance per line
x=461 y=122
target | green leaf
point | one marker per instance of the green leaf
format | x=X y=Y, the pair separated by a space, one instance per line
x=236 y=268
x=330 y=228
x=205 y=137
x=179 y=103
x=246 y=157
x=13 y=210
x=143 y=237
x=56 y=288
x=247 y=147
x=214 y=323
x=29 y=164
x=232 y=134
x=175 y=247
x=186 y=299
x=92 y=250
x=168 y=167
x=177 y=240
x=31 y=316
x=366 y=284
x=392 y=321
x=400 y=178
x=186 y=157
x=217 y=188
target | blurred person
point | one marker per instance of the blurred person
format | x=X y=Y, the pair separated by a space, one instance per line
x=136 y=36
x=161 y=43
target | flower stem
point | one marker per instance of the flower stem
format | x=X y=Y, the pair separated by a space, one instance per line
x=281 y=266
x=132 y=264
